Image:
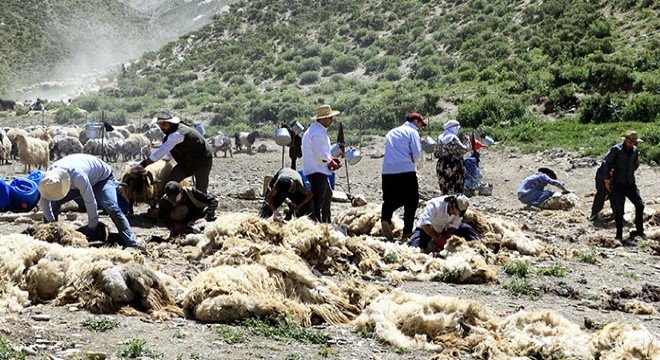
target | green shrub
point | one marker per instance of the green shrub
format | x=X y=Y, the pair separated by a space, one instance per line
x=492 y=110
x=309 y=77
x=68 y=115
x=598 y=109
x=284 y=330
x=642 y=107
x=101 y=324
x=135 y=348
x=556 y=270
x=344 y=63
x=229 y=335
x=519 y=268
x=7 y=351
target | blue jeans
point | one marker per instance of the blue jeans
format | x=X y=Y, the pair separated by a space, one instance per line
x=105 y=192
x=535 y=197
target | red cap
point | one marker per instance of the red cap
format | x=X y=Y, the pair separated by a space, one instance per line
x=417 y=116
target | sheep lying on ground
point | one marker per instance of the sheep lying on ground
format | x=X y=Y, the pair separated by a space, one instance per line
x=32 y=151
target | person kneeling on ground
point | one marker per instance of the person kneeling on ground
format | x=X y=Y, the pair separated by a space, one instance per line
x=287 y=183
x=180 y=207
x=532 y=190
x=440 y=219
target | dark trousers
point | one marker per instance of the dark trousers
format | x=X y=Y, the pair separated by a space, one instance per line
x=400 y=190
x=322 y=196
x=200 y=173
x=278 y=200
x=423 y=241
x=601 y=196
x=619 y=194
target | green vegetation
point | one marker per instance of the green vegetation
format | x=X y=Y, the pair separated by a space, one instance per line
x=229 y=335
x=522 y=286
x=391 y=257
x=588 y=257
x=7 y=351
x=537 y=75
x=630 y=276
x=135 y=348
x=284 y=330
x=556 y=270
x=101 y=324
x=519 y=268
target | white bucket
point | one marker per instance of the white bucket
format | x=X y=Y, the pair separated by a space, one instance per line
x=297 y=127
x=335 y=151
x=353 y=156
x=94 y=130
x=282 y=137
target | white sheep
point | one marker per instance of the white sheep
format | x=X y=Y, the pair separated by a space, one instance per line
x=221 y=142
x=133 y=146
x=5 y=148
x=66 y=145
x=32 y=151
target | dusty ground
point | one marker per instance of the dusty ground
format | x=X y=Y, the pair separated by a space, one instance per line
x=629 y=266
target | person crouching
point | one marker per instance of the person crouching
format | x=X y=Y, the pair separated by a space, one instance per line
x=180 y=207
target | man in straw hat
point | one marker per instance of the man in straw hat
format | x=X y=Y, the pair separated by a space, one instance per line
x=532 y=190
x=88 y=177
x=403 y=151
x=318 y=164
x=441 y=219
x=621 y=162
x=193 y=154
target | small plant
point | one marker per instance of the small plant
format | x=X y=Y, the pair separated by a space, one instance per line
x=366 y=333
x=326 y=351
x=630 y=276
x=294 y=356
x=229 y=335
x=179 y=335
x=402 y=350
x=284 y=330
x=556 y=270
x=391 y=258
x=484 y=292
x=587 y=257
x=519 y=268
x=101 y=324
x=7 y=351
x=522 y=286
x=195 y=356
x=446 y=276
x=135 y=348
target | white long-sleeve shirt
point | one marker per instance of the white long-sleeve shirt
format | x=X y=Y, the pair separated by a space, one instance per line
x=163 y=152
x=85 y=171
x=403 y=149
x=435 y=214
x=316 y=150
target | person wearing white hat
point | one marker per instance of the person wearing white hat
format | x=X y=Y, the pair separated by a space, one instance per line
x=86 y=177
x=318 y=163
x=441 y=219
x=450 y=168
x=193 y=154
x=621 y=162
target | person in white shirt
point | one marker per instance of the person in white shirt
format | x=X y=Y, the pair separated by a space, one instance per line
x=88 y=177
x=318 y=162
x=403 y=150
x=442 y=217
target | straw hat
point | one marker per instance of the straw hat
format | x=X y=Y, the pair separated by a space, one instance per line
x=325 y=111
x=165 y=116
x=55 y=184
x=632 y=136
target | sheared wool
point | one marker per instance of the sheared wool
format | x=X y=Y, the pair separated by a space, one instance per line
x=513 y=238
x=619 y=340
x=559 y=201
x=60 y=233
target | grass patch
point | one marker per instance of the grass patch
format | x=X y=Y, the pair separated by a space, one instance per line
x=101 y=324
x=522 y=286
x=179 y=335
x=588 y=257
x=284 y=331
x=391 y=258
x=7 y=351
x=229 y=335
x=630 y=276
x=294 y=356
x=556 y=270
x=402 y=350
x=135 y=348
x=446 y=276
x=519 y=268
x=326 y=351
x=366 y=333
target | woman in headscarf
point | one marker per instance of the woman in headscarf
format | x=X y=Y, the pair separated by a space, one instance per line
x=449 y=152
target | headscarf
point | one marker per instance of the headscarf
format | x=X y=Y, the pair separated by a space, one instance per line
x=451 y=133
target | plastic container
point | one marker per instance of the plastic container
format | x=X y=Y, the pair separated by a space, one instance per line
x=23 y=193
x=306 y=182
x=5 y=200
x=36 y=176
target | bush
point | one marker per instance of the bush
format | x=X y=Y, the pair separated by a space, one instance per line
x=344 y=63
x=68 y=115
x=492 y=110
x=643 y=107
x=599 y=109
x=309 y=77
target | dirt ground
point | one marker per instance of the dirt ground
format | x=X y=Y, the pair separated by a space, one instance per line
x=58 y=333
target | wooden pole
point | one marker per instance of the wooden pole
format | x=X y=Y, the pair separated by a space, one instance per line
x=282 y=156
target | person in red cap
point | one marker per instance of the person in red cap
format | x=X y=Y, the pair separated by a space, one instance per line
x=403 y=152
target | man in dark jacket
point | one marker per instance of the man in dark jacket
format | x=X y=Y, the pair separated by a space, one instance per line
x=602 y=193
x=622 y=160
x=287 y=184
x=181 y=206
x=193 y=154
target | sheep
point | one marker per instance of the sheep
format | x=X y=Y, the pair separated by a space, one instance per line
x=221 y=142
x=11 y=134
x=5 y=148
x=146 y=184
x=66 y=145
x=245 y=139
x=133 y=146
x=32 y=151
x=154 y=133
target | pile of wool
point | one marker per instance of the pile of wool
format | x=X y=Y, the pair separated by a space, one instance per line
x=278 y=284
x=60 y=233
x=437 y=323
x=244 y=225
x=467 y=262
x=626 y=341
x=559 y=201
x=12 y=298
x=512 y=238
x=365 y=220
x=100 y=280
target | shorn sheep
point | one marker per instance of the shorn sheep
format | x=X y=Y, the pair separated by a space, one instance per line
x=32 y=151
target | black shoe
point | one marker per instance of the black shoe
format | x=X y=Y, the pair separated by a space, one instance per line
x=593 y=217
x=635 y=233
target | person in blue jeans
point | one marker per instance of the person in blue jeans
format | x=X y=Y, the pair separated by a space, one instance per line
x=88 y=177
x=532 y=190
